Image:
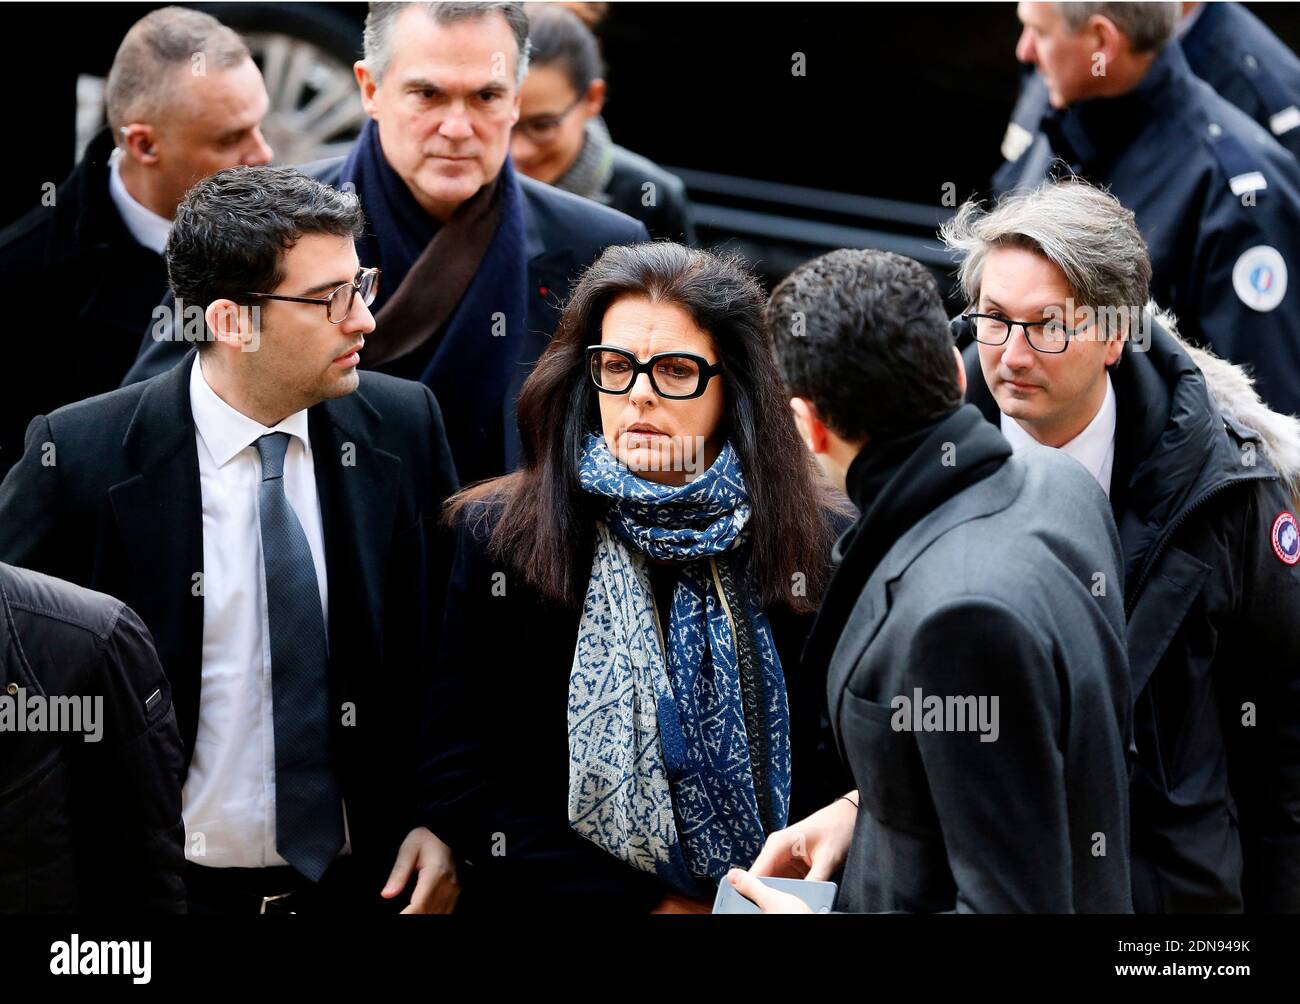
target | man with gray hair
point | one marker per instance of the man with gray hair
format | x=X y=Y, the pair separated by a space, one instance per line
x=1226 y=45
x=475 y=258
x=1202 y=478
x=1215 y=196
x=184 y=100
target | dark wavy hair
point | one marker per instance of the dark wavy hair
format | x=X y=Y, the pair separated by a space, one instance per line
x=863 y=335
x=233 y=228
x=541 y=522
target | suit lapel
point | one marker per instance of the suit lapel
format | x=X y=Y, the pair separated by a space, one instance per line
x=549 y=275
x=159 y=511
x=550 y=271
x=991 y=495
x=357 y=485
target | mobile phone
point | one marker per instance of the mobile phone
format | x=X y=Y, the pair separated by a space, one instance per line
x=820 y=896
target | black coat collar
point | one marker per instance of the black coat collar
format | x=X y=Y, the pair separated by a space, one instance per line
x=1173 y=447
x=85 y=218
x=1088 y=134
x=897 y=485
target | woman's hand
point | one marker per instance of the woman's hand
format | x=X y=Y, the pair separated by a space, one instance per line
x=813 y=848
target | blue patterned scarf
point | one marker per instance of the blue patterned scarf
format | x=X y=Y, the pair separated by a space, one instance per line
x=679 y=746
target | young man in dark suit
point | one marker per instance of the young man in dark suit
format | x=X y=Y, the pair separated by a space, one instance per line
x=270 y=513
x=973 y=630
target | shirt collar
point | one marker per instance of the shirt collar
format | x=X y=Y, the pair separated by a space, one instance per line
x=225 y=431
x=146 y=226
x=1091 y=447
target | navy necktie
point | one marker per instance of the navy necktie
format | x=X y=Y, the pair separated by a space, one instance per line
x=308 y=808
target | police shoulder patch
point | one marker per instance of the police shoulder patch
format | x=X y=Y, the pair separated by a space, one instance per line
x=1259 y=277
x=1286 y=538
x=1241 y=168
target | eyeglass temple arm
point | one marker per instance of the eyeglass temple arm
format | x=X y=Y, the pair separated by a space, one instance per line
x=317 y=299
x=291 y=299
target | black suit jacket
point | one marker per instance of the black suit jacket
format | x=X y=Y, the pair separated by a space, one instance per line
x=107 y=495
x=81 y=291
x=563 y=234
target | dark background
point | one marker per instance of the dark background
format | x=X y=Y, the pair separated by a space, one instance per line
x=899 y=98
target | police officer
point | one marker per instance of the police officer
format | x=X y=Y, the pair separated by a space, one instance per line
x=1202 y=480
x=1216 y=197
x=1226 y=46
x=1235 y=53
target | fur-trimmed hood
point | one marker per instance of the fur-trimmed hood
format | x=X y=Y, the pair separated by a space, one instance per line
x=1234 y=394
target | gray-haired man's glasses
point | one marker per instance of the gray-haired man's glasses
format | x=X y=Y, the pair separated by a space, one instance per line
x=1043 y=336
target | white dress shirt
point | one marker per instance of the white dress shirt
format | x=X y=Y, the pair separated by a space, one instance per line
x=229 y=792
x=1094 y=447
x=146 y=226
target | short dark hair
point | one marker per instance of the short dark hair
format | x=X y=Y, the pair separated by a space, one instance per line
x=863 y=335
x=233 y=228
x=561 y=39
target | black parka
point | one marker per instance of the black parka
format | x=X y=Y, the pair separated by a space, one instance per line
x=1202 y=474
x=85 y=826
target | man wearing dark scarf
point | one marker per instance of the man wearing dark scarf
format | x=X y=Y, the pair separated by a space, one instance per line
x=471 y=276
x=973 y=633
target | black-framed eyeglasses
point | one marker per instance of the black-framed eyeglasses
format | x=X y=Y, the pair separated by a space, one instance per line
x=676 y=376
x=339 y=302
x=1047 y=336
x=541 y=129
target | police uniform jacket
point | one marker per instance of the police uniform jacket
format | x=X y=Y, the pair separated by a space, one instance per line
x=1217 y=201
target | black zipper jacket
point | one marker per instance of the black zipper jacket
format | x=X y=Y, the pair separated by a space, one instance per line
x=89 y=827
x=1204 y=480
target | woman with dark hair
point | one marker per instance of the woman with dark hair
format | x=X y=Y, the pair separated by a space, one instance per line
x=619 y=714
